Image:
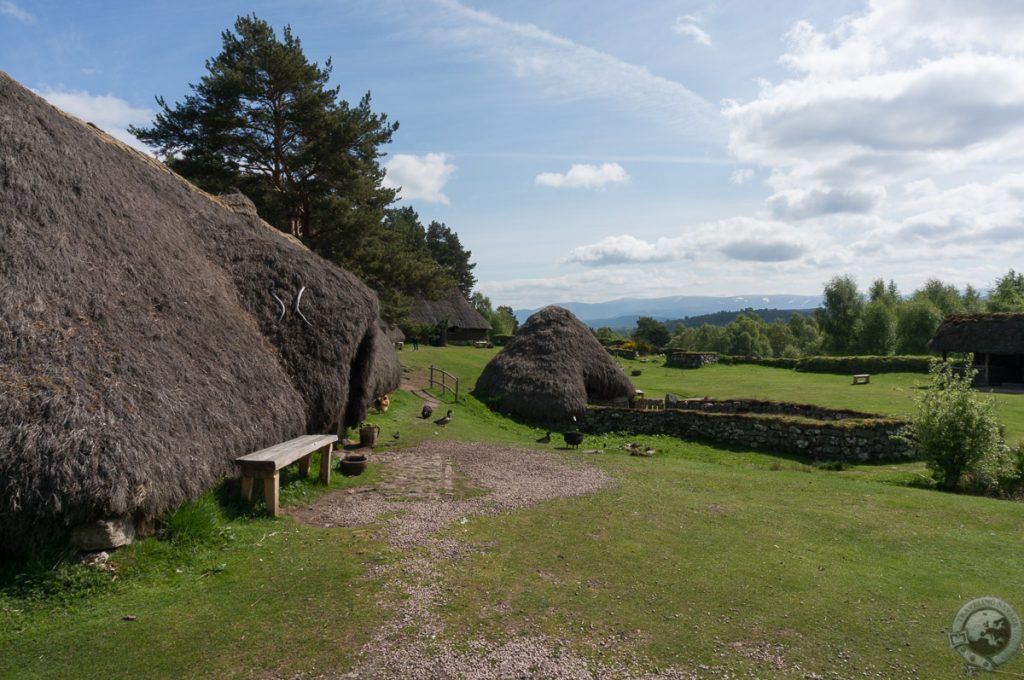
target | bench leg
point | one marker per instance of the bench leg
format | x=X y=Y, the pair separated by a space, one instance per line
x=247 y=487
x=325 y=464
x=304 y=465
x=271 y=487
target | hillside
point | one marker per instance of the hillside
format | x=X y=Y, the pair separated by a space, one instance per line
x=624 y=312
x=724 y=318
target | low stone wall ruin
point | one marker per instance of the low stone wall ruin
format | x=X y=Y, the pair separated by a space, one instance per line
x=853 y=438
x=690 y=359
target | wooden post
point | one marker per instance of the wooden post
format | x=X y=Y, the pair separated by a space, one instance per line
x=247 y=487
x=325 y=464
x=304 y=465
x=271 y=486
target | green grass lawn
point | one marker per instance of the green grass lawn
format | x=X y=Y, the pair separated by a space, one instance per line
x=691 y=557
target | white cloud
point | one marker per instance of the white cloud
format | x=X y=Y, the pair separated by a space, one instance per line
x=568 y=70
x=419 y=177
x=741 y=175
x=797 y=204
x=584 y=176
x=739 y=238
x=111 y=114
x=9 y=9
x=689 y=26
x=627 y=249
x=892 y=136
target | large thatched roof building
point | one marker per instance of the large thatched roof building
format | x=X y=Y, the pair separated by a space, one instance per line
x=142 y=344
x=462 y=323
x=551 y=369
x=996 y=340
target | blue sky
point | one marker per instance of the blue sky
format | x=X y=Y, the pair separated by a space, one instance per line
x=589 y=150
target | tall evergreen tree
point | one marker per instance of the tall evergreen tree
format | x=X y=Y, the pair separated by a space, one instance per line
x=446 y=249
x=263 y=120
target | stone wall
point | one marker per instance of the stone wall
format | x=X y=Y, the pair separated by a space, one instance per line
x=690 y=359
x=854 y=440
x=769 y=407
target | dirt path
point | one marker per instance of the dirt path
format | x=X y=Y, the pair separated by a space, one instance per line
x=424 y=490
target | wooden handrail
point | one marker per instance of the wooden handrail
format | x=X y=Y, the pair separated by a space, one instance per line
x=443 y=382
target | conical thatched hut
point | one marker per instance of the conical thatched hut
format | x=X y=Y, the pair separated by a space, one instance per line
x=142 y=342
x=551 y=369
x=995 y=340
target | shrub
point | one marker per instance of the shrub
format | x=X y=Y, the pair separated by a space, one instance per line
x=956 y=432
x=500 y=339
x=841 y=365
x=865 y=364
x=773 y=363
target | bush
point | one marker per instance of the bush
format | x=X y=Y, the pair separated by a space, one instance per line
x=956 y=432
x=773 y=363
x=841 y=365
x=500 y=339
x=866 y=364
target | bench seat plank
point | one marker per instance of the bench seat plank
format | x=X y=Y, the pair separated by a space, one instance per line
x=266 y=464
x=284 y=454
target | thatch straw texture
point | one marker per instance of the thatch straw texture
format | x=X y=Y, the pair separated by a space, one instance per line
x=455 y=308
x=980 y=333
x=140 y=346
x=550 y=369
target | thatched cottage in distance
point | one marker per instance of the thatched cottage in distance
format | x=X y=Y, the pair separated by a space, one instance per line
x=996 y=340
x=151 y=333
x=551 y=369
x=462 y=323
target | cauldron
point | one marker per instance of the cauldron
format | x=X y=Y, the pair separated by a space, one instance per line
x=573 y=438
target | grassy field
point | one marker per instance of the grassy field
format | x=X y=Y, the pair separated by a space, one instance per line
x=887 y=393
x=735 y=559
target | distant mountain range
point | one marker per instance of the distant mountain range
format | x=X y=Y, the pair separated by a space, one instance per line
x=623 y=313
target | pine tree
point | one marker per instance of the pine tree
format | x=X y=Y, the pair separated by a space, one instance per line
x=263 y=120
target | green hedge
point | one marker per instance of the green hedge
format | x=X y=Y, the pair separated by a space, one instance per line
x=774 y=363
x=851 y=365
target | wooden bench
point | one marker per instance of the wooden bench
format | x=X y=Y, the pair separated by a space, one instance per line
x=266 y=464
x=861 y=378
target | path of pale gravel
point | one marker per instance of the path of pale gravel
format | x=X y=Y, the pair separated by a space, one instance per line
x=412 y=643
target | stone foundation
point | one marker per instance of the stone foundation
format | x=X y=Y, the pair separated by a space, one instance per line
x=851 y=437
x=690 y=359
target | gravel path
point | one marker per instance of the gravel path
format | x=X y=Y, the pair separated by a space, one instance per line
x=418 y=498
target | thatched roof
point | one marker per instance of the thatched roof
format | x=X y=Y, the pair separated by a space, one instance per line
x=455 y=308
x=394 y=333
x=140 y=347
x=550 y=369
x=980 y=333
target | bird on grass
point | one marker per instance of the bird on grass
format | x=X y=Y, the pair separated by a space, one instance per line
x=426 y=412
x=444 y=421
x=396 y=436
x=546 y=439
